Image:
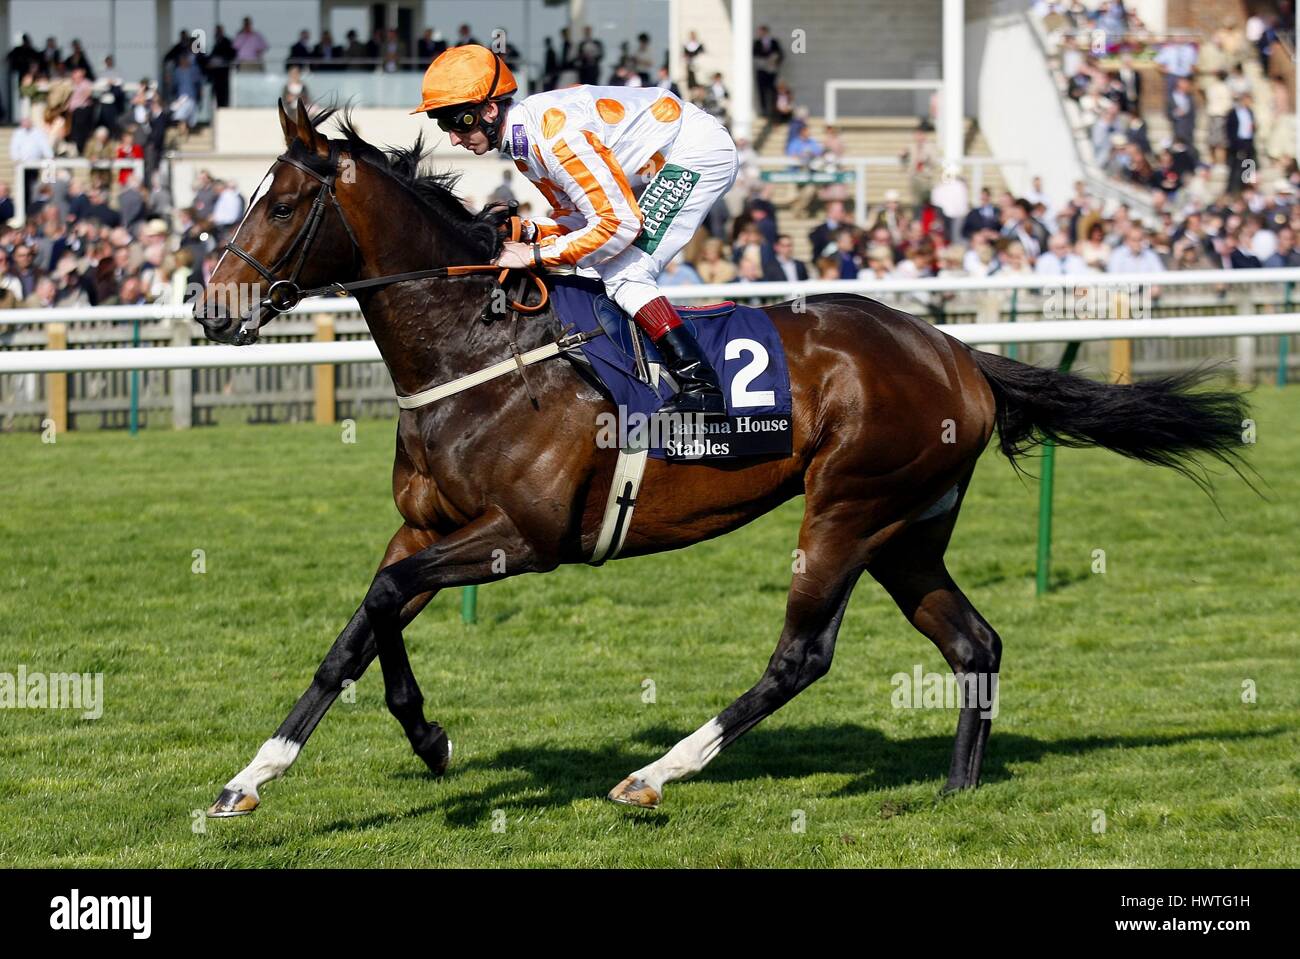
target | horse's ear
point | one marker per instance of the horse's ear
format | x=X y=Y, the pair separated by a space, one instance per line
x=287 y=124
x=307 y=134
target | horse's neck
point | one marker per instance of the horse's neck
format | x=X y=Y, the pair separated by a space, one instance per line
x=432 y=331
x=415 y=326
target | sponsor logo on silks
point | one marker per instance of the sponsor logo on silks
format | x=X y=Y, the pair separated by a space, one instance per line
x=662 y=200
x=518 y=141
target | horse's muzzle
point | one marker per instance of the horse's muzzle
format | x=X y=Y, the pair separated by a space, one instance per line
x=221 y=327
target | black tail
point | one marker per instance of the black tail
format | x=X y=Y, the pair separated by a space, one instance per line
x=1156 y=421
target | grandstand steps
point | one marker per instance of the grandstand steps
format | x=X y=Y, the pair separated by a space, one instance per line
x=202 y=140
x=866 y=137
x=1153 y=104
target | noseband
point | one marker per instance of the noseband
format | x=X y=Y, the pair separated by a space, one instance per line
x=284 y=294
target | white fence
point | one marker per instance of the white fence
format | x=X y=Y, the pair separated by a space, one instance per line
x=834 y=87
x=319 y=362
x=365 y=351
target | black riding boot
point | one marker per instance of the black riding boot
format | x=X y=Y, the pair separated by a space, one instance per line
x=698 y=388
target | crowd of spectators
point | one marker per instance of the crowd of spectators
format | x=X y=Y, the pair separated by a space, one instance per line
x=1225 y=85
x=111 y=234
x=68 y=110
x=1190 y=212
x=114 y=236
x=84 y=246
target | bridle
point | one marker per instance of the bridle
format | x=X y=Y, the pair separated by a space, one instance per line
x=284 y=294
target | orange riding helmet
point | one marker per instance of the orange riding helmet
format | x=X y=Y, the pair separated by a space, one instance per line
x=470 y=74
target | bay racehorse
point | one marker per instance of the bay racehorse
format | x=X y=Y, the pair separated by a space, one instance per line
x=890 y=416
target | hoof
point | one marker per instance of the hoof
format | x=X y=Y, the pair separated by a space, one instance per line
x=232 y=802
x=635 y=792
x=437 y=755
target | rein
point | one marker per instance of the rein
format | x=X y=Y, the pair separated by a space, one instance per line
x=285 y=294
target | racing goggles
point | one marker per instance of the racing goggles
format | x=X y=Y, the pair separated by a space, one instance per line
x=462 y=120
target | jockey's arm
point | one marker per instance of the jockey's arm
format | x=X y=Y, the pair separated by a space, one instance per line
x=564 y=219
x=606 y=219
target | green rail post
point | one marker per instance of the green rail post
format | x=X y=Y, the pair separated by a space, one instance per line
x=1284 y=344
x=1043 y=572
x=135 y=382
x=1013 y=349
x=469 y=605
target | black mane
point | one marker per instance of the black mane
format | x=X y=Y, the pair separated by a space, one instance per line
x=434 y=189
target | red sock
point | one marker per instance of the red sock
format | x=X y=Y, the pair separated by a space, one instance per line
x=657 y=317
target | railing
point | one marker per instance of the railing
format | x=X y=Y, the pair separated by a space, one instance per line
x=1102 y=43
x=834 y=87
x=857 y=166
x=254 y=85
x=1241 y=316
x=1101 y=184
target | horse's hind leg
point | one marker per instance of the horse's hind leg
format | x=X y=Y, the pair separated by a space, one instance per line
x=911 y=569
x=834 y=553
x=352 y=652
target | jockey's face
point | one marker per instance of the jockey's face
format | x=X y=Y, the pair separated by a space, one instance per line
x=476 y=141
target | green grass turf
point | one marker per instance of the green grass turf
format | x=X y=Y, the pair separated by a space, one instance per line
x=1121 y=692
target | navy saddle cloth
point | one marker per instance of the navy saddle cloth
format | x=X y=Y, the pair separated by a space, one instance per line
x=739 y=341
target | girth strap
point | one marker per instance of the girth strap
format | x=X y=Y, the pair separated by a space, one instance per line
x=621 y=502
x=517 y=362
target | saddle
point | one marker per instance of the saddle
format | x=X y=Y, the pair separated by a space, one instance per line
x=739 y=341
x=623 y=331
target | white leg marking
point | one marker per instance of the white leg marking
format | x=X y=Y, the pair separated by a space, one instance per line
x=685 y=759
x=942 y=505
x=271 y=762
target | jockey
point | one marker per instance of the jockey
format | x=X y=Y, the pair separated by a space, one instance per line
x=629 y=173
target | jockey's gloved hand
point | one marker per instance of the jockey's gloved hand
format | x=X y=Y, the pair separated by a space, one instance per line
x=507 y=228
x=511 y=226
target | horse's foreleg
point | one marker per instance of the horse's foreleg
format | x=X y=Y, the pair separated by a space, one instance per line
x=487 y=549
x=819 y=593
x=347 y=659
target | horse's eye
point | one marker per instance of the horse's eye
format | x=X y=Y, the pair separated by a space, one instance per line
x=281 y=212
